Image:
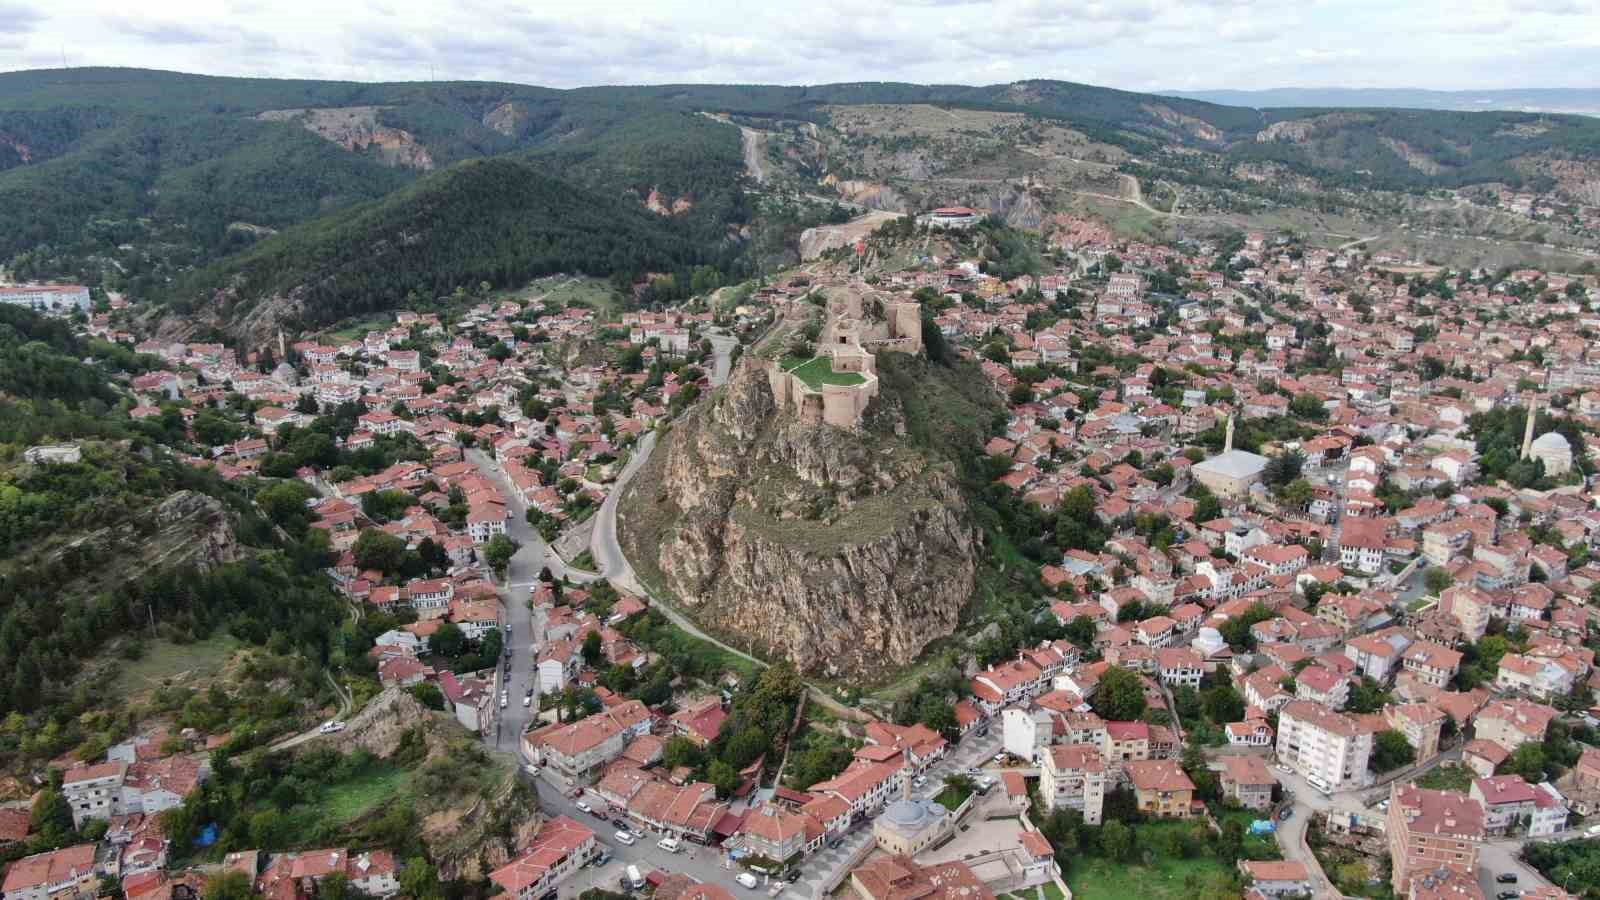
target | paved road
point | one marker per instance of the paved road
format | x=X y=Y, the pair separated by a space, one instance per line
x=1497 y=857
x=603 y=543
x=521 y=575
x=346 y=701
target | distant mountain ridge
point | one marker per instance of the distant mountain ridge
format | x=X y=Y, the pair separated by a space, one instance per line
x=220 y=193
x=1575 y=101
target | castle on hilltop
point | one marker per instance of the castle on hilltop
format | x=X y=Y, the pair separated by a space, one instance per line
x=835 y=386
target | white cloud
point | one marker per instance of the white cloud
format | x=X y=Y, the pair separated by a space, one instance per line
x=1138 y=44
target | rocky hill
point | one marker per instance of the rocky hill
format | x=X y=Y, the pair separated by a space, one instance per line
x=474 y=811
x=845 y=552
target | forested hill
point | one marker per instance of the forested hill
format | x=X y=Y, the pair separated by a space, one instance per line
x=136 y=180
x=495 y=220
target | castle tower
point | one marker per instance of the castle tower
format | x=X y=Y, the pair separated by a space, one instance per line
x=1227 y=442
x=1527 y=432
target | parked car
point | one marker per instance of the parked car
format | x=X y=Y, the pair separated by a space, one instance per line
x=668 y=844
x=585 y=808
x=331 y=727
x=746 y=879
x=1508 y=895
x=531 y=769
x=625 y=838
x=974 y=771
x=528 y=700
x=1506 y=878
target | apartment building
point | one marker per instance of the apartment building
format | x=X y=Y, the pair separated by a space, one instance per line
x=1512 y=723
x=1328 y=748
x=1429 y=830
x=1421 y=723
x=1073 y=776
x=576 y=749
x=1247 y=781
x=1432 y=663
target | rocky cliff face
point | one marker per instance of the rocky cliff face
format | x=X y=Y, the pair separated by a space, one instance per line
x=475 y=826
x=844 y=552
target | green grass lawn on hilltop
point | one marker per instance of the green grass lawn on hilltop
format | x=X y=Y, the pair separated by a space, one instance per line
x=349 y=800
x=163 y=661
x=819 y=371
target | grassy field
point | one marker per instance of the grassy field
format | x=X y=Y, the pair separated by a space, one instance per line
x=594 y=293
x=165 y=661
x=352 y=799
x=359 y=328
x=1448 y=778
x=952 y=797
x=1163 y=879
x=1263 y=846
x=819 y=371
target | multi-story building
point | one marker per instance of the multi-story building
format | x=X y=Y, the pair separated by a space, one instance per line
x=1430 y=830
x=1073 y=776
x=1247 y=781
x=1420 y=723
x=1510 y=803
x=1535 y=676
x=1433 y=664
x=1512 y=723
x=68 y=872
x=1329 y=749
x=561 y=847
x=576 y=749
x=1162 y=789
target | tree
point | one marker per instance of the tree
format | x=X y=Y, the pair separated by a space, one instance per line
x=1120 y=696
x=419 y=880
x=51 y=818
x=1081 y=631
x=592 y=648
x=379 y=550
x=1283 y=468
x=1116 y=841
x=1367 y=696
x=1528 y=761
x=228 y=886
x=449 y=641
x=498 y=552
x=724 y=777
x=1436 y=579
x=679 y=751
x=428 y=694
x=1391 y=750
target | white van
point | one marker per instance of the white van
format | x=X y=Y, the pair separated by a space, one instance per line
x=624 y=838
x=668 y=844
x=634 y=878
x=746 y=879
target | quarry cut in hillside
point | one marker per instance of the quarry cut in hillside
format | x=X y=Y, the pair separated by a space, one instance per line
x=845 y=551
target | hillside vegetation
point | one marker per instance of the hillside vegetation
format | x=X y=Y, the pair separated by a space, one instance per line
x=497 y=220
x=138 y=179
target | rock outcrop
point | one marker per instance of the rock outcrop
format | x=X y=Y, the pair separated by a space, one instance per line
x=844 y=552
x=477 y=824
x=186 y=529
x=356 y=128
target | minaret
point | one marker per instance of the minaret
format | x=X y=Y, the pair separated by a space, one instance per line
x=1527 y=433
x=1227 y=442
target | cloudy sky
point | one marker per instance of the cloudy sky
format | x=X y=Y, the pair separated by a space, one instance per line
x=1132 y=44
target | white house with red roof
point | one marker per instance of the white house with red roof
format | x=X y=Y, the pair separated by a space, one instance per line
x=561 y=847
